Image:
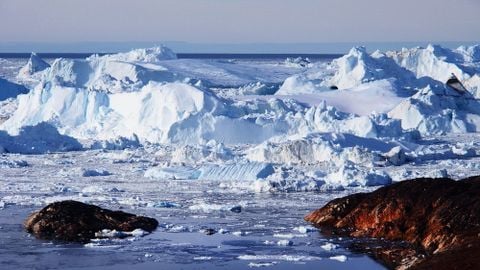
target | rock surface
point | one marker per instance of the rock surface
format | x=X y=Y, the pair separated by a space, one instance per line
x=428 y=222
x=78 y=222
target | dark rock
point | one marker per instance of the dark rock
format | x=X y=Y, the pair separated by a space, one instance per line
x=427 y=218
x=78 y=222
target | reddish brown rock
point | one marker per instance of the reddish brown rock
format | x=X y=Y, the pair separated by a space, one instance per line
x=435 y=218
x=78 y=222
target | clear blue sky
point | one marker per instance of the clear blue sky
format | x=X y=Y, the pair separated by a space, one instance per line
x=238 y=21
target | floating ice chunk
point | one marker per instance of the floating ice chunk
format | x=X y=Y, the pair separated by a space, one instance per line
x=462 y=149
x=329 y=246
x=289 y=235
x=305 y=229
x=290 y=258
x=223 y=231
x=340 y=258
x=240 y=233
x=94 y=173
x=240 y=171
x=100 y=245
x=264 y=264
x=172 y=173
x=164 y=204
x=202 y=258
x=174 y=228
x=284 y=242
x=319 y=147
x=120 y=234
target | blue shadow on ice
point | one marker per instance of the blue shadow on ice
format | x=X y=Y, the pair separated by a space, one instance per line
x=39 y=139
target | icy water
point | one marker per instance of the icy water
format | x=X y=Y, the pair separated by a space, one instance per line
x=269 y=231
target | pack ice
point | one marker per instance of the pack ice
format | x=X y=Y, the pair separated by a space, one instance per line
x=349 y=122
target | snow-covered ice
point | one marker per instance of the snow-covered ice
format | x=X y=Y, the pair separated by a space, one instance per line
x=330 y=125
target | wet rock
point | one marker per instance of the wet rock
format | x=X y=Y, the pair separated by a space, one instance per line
x=422 y=219
x=78 y=222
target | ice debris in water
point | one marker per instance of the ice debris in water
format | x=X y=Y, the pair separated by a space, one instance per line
x=120 y=234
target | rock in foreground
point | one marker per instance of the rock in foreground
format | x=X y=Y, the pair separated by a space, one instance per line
x=435 y=222
x=78 y=222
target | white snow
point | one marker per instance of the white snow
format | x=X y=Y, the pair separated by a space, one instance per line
x=289 y=235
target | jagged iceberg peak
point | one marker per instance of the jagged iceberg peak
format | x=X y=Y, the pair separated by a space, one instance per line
x=150 y=55
x=35 y=64
x=358 y=51
x=358 y=67
x=433 y=61
x=470 y=53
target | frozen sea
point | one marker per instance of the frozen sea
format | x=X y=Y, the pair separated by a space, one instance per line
x=268 y=232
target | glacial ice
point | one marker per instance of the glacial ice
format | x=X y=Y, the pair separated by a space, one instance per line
x=329 y=126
